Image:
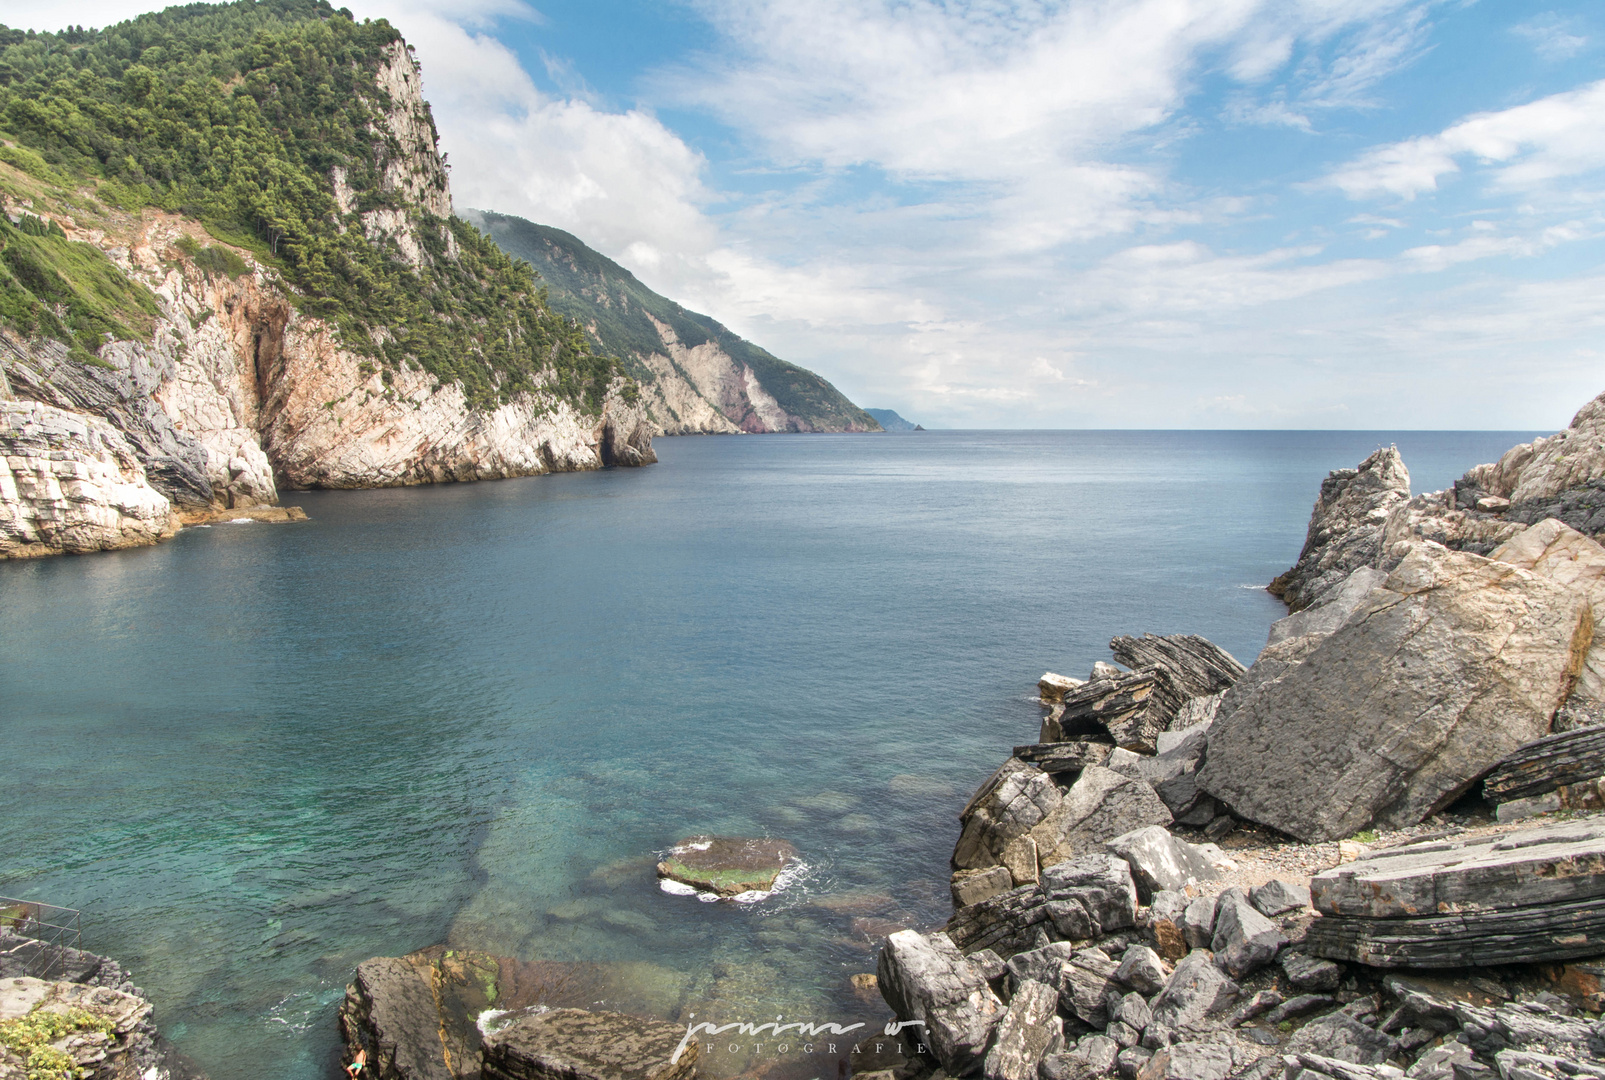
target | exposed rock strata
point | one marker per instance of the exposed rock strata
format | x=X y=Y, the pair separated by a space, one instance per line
x=1346 y=526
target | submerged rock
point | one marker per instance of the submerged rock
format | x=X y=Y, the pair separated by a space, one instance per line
x=727 y=866
x=575 y=1044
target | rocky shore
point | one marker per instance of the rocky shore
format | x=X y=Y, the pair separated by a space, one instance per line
x=85 y=1021
x=1373 y=853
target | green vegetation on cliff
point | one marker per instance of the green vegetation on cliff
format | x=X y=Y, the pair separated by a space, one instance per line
x=597 y=292
x=237 y=115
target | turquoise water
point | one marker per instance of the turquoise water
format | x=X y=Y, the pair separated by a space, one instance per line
x=258 y=754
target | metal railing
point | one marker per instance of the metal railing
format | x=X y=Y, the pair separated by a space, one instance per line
x=56 y=929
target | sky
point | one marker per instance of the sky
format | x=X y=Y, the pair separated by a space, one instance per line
x=1082 y=213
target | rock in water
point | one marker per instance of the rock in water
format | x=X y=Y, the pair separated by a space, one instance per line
x=1345 y=527
x=1025 y=1033
x=728 y=866
x=929 y=980
x=390 y=1010
x=1197 y=664
x=1522 y=897
x=1433 y=680
x=575 y=1044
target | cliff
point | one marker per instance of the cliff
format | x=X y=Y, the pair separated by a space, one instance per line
x=696 y=376
x=231 y=268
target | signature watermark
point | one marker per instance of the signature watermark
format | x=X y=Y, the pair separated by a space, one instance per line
x=807 y=1035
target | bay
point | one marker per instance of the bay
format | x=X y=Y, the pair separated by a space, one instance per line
x=259 y=754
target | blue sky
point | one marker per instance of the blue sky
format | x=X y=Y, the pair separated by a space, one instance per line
x=1006 y=213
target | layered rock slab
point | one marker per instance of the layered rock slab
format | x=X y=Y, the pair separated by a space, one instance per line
x=1346 y=527
x=1436 y=677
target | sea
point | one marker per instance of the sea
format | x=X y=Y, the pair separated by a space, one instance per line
x=474 y=714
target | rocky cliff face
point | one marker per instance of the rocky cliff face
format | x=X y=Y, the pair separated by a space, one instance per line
x=236 y=393
x=696 y=376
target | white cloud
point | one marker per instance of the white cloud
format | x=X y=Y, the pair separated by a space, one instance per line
x=1551 y=37
x=1558 y=136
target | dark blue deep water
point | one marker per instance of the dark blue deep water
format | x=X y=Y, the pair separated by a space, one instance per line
x=261 y=753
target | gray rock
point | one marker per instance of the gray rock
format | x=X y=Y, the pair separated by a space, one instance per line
x=1343 y=1038
x=1189 y=1061
x=574 y=1044
x=1346 y=527
x=973 y=886
x=1191 y=724
x=1013 y=802
x=1038 y=965
x=1423 y=690
x=1269 y=1067
x=1085 y=983
x=1131 y=1060
x=1090 y=897
x=1099 y=1053
x=1277 y=898
x=989 y=964
x=1244 y=940
x=1132 y=708
x=1072 y=756
x=1332 y=610
x=1198 y=665
x=390 y=1007
x=1548 y=763
x=1197 y=989
x=1025 y=1033
x=1142 y=970
x=1098 y=807
x=1439 y=1062
x=1168 y=904
x=1122 y=1033
x=1198 y=922
x=1159 y=862
x=1308 y=973
x=1308 y=1066
x=929 y=980
x=1302 y=1005
x=1133 y=1010
x=1262 y=1002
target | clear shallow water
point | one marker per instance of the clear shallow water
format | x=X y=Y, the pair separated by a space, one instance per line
x=259 y=754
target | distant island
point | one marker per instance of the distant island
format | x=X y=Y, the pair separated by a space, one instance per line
x=889 y=420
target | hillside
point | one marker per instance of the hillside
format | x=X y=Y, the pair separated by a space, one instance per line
x=696 y=375
x=890 y=421
x=228 y=252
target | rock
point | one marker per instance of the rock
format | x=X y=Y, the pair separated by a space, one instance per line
x=1306 y=1066
x=927 y=979
x=1343 y=1038
x=1346 y=527
x=1565 y=556
x=72 y=483
x=1545 y=468
x=1132 y=1010
x=1189 y=1061
x=1019 y=858
x=1548 y=763
x=1198 y=922
x=1435 y=679
x=1085 y=983
x=1302 y=1005
x=575 y=1044
x=1522 y=897
x=1142 y=970
x=1196 y=990
x=1262 y=1002
x=390 y=1010
x=1054 y=687
x=1014 y=803
x=1587 y=795
x=1098 y=807
x=1244 y=940
x=1308 y=973
x=1064 y=757
x=1159 y=862
x=1024 y=1033
x=1198 y=665
x=1580 y=712
x=1130 y=1061
x=1331 y=610
x=1439 y=1062
x=973 y=886
x=1278 y=897
x=1076 y=900
x=1220 y=826
x=991 y=966
x=1131 y=707
x=1038 y=965
x=727 y=866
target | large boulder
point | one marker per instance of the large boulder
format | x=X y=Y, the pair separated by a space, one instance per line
x=1195 y=991
x=1013 y=802
x=1130 y=707
x=1546 y=469
x=390 y=1011
x=576 y=1044
x=1160 y=862
x=1026 y=1032
x=1101 y=805
x=1346 y=526
x=1434 y=679
x=927 y=979
x=727 y=865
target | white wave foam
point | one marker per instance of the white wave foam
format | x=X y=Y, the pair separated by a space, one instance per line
x=675 y=888
x=794 y=872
